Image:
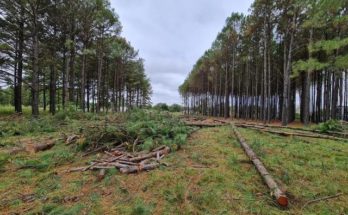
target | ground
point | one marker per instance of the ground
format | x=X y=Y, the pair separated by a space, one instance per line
x=210 y=174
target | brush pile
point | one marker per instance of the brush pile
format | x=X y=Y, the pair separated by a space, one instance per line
x=127 y=162
x=137 y=144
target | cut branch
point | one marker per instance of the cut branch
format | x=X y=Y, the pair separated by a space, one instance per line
x=321 y=199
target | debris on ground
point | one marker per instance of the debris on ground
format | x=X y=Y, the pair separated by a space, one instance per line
x=126 y=162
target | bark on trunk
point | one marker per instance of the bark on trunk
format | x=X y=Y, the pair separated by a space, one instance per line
x=279 y=195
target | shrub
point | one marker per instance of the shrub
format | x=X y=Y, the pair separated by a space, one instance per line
x=330 y=125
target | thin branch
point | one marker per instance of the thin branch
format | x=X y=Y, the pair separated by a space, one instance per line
x=321 y=199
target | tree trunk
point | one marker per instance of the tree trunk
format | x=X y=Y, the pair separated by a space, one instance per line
x=53 y=89
x=83 y=82
x=281 y=198
x=18 y=86
x=35 y=75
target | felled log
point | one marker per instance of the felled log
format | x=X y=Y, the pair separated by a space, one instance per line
x=41 y=146
x=279 y=195
x=283 y=133
x=164 y=151
x=331 y=133
x=334 y=133
x=204 y=124
x=139 y=168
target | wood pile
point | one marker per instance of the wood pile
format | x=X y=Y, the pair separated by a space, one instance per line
x=125 y=161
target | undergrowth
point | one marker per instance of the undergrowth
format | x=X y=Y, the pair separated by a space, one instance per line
x=330 y=125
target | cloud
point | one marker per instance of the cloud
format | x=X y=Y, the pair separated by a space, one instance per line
x=171 y=35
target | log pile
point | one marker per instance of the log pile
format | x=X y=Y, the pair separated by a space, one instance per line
x=280 y=196
x=127 y=162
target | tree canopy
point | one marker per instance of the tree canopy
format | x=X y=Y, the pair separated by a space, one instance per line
x=64 y=53
x=283 y=54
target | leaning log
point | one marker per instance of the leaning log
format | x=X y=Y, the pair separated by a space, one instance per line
x=281 y=198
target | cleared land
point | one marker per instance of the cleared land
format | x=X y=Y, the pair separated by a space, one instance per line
x=210 y=174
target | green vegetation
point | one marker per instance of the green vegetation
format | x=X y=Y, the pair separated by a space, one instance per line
x=150 y=129
x=273 y=62
x=170 y=108
x=330 y=125
x=209 y=175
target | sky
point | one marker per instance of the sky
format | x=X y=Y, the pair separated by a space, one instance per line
x=171 y=35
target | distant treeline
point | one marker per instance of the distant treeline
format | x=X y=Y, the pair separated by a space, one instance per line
x=283 y=55
x=64 y=52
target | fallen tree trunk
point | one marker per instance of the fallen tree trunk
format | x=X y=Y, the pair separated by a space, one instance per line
x=283 y=133
x=331 y=133
x=281 y=198
x=139 y=168
x=41 y=147
x=164 y=151
x=204 y=124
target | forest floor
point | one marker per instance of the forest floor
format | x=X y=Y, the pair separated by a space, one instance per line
x=210 y=174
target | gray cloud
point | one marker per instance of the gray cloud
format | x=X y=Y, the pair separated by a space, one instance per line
x=171 y=35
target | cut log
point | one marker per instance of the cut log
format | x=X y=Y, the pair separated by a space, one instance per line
x=41 y=147
x=164 y=151
x=204 y=124
x=283 y=133
x=328 y=133
x=134 y=169
x=281 y=198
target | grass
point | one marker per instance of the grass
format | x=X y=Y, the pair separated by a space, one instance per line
x=9 y=109
x=210 y=174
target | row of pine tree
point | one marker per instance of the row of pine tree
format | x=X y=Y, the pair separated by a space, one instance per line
x=285 y=57
x=69 y=52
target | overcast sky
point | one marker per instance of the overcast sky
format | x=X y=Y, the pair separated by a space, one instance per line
x=171 y=35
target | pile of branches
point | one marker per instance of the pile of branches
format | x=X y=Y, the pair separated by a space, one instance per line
x=135 y=145
x=126 y=162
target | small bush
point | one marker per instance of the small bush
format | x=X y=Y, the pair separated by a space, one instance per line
x=330 y=125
